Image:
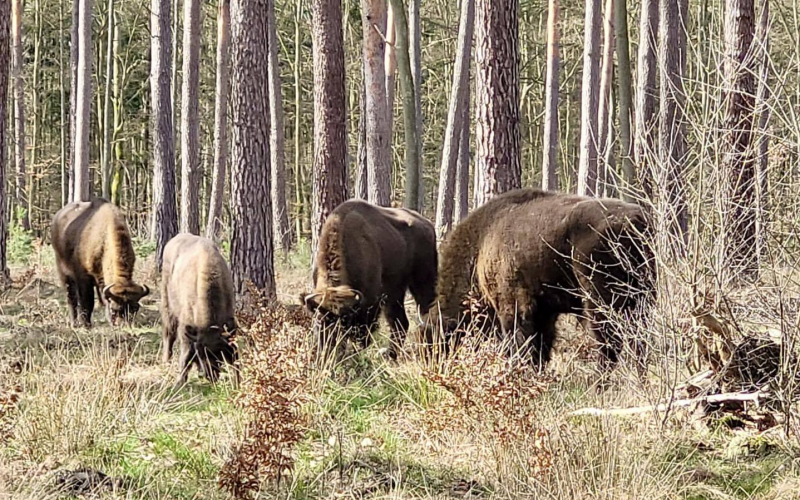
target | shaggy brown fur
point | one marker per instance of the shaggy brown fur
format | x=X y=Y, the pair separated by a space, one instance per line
x=93 y=251
x=530 y=255
x=197 y=306
x=368 y=257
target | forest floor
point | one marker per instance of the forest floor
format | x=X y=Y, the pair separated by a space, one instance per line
x=101 y=400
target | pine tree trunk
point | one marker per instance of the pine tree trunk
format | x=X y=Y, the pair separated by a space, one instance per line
x=604 y=109
x=117 y=177
x=497 y=97
x=739 y=162
x=390 y=67
x=298 y=167
x=83 y=103
x=280 y=215
x=414 y=35
x=165 y=215
x=459 y=100
x=672 y=135
x=108 y=163
x=625 y=99
x=762 y=107
x=62 y=107
x=73 y=95
x=550 y=147
x=251 y=241
x=214 y=223
x=330 y=139
x=587 y=166
x=190 y=119
x=5 y=63
x=409 y=106
x=23 y=208
x=378 y=134
x=646 y=144
x=361 y=181
x=461 y=210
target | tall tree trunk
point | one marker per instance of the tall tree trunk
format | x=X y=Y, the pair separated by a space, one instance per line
x=165 y=214
x=23 y=208
x=63 y=107
x=280 y=215
x=117 y=173
x=5 y=63
x=461 y=210
x=672 y=135
x=251 y=242
x=550 y=147
x=409 y=105
x=414 y=35
x=298 y=167
x=604 y=107
x=373 y=15
x=108 y=163
x=459 y=100
x=625 y=99
x=36 y=104
x=330 y=139
x=83 y=104
x=73 y=94
x=175 y=51
x=190 y=119
x=214 y=223
x=497 y=97
x=361 y=181
x=739 y=162
x=762 y=106
x=646 y=145
x=390 y=66
x=587 y=166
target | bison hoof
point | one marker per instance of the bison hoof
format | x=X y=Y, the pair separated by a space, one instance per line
x=388 y=353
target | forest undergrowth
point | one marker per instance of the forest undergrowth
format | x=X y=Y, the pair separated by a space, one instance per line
x=92 y=414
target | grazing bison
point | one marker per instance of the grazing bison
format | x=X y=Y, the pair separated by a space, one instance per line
x=197 y=306
x=528 y=256
x=368 y=257
x=94 y=252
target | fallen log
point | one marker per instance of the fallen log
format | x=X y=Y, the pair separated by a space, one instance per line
x=728 y=397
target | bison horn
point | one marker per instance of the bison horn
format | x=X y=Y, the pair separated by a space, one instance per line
x=106 y=290
x=146 y=290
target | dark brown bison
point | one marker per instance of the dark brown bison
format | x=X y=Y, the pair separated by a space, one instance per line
x=527 y=256
x=197 y=306
x=93 y=251
x=368 y=258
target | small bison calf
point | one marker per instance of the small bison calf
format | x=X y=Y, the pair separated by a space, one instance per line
x=197 y=307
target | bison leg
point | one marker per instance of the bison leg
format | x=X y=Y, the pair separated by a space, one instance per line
x=606 y=335
x=169 y=335
x=85 y=289
x=72 y=300
x=395 y=314
x=544 y=326
x=187 y=357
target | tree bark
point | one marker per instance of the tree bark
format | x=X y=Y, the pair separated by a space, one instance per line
x=83 y=104
x=739 y=162
x=646 y=145
x=378 y=133
x=251 y=241
x=497 y=97
x=587 y=166
x=330 y=139
x=762 y=98
x=165 y=216
x=108 y=163
x=415 y=30
x=390 y=67
x=604 y=107
x=625 y=100
x=461 y=210
x=298 y=167
x=190 y=119
x=280 y=215
x=5 y=63
x=361 y=181
x=73 y=94
x=459 y=100
x=62 y=108
x=23 y=208
x=116 y=181
x=672 y=136
x=214 y=223
x=550 y=147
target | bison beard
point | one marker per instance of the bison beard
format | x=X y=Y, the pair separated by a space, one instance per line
x=197 y=308
x=94 y=252
x=368 y=258
x=528 y=256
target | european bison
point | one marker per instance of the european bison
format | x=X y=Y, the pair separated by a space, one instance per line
x=528 y=256
x=197 y=306
x=93 y=251
x=368 y=257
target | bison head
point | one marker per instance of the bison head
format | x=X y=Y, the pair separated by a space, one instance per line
x=336 y=300
x=122 y=301
x=215 y=347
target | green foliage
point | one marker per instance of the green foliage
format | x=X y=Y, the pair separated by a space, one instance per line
x=144 y=247
x=20 y=245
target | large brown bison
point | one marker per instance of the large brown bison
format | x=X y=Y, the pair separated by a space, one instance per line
x=368 y=258
x=93 y=251
x=197 y=306
x=527 y=256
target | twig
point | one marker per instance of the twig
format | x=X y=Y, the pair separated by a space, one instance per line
x=755 y=397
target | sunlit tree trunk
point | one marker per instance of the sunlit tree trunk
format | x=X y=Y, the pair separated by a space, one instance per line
x=117 y=176
x=361 y=181
x=646 y=144
x=459 y=101
x=762 y=107
x=604 y=107
x=62 y=108
x=550 y=148
x=190 y=119
x=83 y=103
x=73 y=95
x=251 y=240
x=214 y=223
x=587 y=166
x=497 y=97
x=23 y=208
x=461 y=209
x=414 y=35
x=5 y=63
x=108 y=164
x=165 y=214
x=390 y=65
x=625 y=99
